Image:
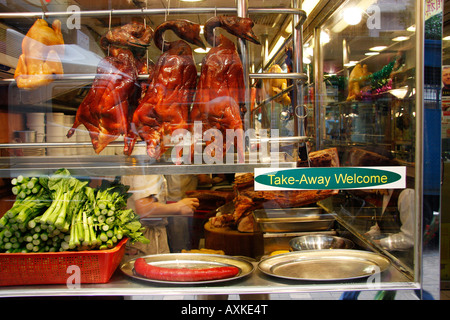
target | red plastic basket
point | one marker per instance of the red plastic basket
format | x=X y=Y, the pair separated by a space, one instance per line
x=96 y=266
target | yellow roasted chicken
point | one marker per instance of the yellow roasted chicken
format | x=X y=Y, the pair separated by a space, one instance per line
x=357 y=81
x=42 y=49
x=273 y=87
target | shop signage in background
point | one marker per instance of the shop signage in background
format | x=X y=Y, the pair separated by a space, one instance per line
x=445 y=102
x=433 y=7
x=330 y=178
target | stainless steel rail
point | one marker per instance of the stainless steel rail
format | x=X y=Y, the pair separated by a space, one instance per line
x=90 y=77
x=128 y=12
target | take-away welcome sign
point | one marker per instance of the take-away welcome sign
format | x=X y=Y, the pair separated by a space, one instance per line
x=330 y=178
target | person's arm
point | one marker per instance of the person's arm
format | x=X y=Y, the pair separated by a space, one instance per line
x=405 y=238
x=148 y=206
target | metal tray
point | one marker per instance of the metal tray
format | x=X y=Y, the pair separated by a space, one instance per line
x=190 y=260
x=324 y=265
x=293 y=220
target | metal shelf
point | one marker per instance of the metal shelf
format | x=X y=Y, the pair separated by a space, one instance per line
x=100 y=166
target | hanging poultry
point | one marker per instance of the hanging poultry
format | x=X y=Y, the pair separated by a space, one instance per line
x=133 y=34
x=220 y=99
x=165 y=107
x=105 y=109
x=42 y=50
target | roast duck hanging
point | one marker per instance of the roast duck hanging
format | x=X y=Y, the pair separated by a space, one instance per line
x=118 y=104
x=105 y=111
x=220 y=99
x=165 y=107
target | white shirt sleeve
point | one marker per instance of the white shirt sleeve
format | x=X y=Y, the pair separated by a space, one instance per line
x=405 y=238
x=142 y=186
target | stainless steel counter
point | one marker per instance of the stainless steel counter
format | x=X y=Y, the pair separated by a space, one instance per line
x=256 y=283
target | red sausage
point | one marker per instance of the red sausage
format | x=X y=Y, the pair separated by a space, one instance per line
x=183 y=274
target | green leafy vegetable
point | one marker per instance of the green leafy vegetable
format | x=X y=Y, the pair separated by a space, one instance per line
x=60 y=212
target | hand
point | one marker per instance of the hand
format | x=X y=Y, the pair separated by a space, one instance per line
x=186 y=206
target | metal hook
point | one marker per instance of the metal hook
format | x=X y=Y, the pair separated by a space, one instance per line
x=299 y=115
x=214 y=30
x=109 y=26
x=44 y=8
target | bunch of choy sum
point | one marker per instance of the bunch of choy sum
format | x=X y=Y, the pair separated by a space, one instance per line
x=66 y=214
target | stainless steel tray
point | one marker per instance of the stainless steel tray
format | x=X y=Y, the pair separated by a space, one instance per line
x=190 y=260
x=293 y=220
x=324 y=265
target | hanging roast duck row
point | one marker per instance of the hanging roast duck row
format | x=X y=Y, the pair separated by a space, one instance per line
x=118 y=104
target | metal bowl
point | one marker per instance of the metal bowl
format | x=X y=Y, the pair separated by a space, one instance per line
x=318 y=242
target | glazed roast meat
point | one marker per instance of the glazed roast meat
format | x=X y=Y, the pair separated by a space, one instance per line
x=133 y=34
x=42 y=50
x=220 y=98
x=165 y=107
x=107 y=108
x=104 y=110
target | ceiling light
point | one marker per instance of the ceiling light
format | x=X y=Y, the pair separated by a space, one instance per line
x=276 y=47
x=378 y=48
x=191 y=0
x=308 y=51
x=401 y=38
x=446 y=38
x=352 y=16
x=411 y=29
x=371 y=53
x=201 y=50
x=351 y=63
x=288 y=28
x=399 y=93
x=309 y=5
x=324 y=37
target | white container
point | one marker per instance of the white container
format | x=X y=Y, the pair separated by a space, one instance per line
x=35 y=119
x=82 y=135
x=55 y=151
x=55 y=130
x=56 y=117
x=40 y=132
x=68 y=123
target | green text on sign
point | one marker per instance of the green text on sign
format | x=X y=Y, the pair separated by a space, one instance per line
x=330 y=178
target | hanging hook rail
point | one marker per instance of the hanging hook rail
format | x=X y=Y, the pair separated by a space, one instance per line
x=127 y=12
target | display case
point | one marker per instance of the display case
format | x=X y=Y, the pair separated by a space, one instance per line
x=321 y=89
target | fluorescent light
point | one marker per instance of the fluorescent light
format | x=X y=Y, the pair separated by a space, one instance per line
x=371 y=53
x=308 y=51
x=288 y=28
x=309 y=5
x=378 y=48
x=201 y=50
x=352 y=16
x=351 y=63
x=324 y=37
x=399 y=93
x=276 y=47
x=401 y=38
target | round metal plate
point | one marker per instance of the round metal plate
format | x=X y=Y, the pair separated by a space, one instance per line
x=324 y=265
x=190 y=260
